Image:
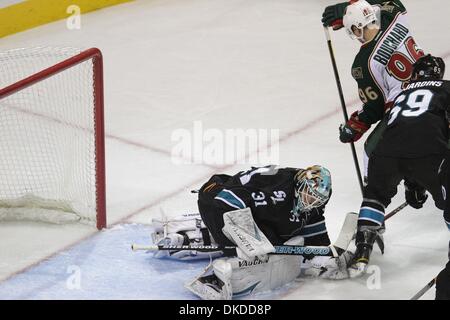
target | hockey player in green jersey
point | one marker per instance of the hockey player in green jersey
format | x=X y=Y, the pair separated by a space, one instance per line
x=382 y=68
x=383 y=63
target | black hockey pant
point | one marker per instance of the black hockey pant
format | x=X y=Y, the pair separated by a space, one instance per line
x=386 y=173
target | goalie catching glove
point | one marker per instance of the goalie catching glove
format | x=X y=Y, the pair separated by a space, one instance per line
x=188 y=229
x=328 y=267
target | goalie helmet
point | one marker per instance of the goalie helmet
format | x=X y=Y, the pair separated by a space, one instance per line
x=428 y=67
x=312 y=188
x=359 y=14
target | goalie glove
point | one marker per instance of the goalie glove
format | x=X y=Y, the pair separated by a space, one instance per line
x=241 y=229
x=188 y=229
x=335 y=268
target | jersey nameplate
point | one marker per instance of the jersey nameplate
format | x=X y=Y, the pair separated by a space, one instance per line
x=424 y=84
x=391 y=43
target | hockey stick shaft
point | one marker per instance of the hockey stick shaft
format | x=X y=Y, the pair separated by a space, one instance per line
x=395 y=211
x=205 y=248
x=424 y=290
x=279 y=250
x=344 y=108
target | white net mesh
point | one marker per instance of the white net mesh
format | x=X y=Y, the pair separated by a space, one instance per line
x=47 y=140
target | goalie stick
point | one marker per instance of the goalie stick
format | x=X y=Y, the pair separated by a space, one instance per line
x=342 y=242
x=279 y=250
x=395 y=211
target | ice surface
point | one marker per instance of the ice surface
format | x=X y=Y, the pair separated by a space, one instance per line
x=107 y=269
x=258 y=64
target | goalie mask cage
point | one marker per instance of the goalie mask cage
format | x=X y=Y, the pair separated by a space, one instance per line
x=52 y=151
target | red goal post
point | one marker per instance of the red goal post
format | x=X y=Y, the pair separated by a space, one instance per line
x=43 y=110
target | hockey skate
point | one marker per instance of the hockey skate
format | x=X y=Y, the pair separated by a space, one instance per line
x=365 y=239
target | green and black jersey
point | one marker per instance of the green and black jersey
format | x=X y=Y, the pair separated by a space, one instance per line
x=383 y=65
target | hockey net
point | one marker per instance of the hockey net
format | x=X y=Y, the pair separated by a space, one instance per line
x=52 y=165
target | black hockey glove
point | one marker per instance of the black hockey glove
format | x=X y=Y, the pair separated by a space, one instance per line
x=415 y=195
x=348 y=134
x=333 y=15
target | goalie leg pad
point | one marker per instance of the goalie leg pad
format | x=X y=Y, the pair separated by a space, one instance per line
x=258 y=276
x=235 y=277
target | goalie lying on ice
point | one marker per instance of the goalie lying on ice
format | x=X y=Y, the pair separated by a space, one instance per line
x=255 y=210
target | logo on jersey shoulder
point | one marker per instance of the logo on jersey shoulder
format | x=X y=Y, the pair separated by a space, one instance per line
x=357 y=73
x=388 y=8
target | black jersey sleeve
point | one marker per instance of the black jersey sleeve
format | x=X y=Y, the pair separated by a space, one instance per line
x=315 y=231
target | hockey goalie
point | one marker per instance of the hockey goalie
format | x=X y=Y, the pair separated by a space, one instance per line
x=255 y=211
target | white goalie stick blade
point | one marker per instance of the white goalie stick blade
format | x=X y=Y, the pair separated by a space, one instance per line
x=347 y=232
